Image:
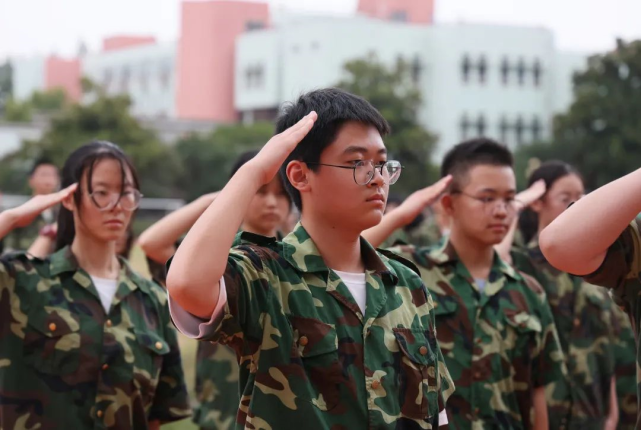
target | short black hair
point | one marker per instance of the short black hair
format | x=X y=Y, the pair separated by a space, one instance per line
x=334 y=107
x=42 y=161
x=463 y=157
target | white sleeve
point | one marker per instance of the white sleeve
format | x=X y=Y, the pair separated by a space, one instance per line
x=192 y=326
x=442 y=418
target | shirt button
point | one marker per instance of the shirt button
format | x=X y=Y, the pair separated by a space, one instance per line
x=435 y=305
x=477 y=375
x=477 y=411
x=99 y=414
x=105 y=366
x=303 y=341
x=577 y=322
x=52 y=327
x=423 y=350
x=158 y=345
x=109 y=323
x=479 y=341
x=376 y=384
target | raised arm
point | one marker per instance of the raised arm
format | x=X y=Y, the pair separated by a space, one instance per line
x=578 y=240
x=158 y=241
x=194 y=276
x=406 y=212
x=24 y=214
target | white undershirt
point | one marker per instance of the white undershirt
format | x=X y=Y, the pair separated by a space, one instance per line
x=106 y=290
x=355 y=283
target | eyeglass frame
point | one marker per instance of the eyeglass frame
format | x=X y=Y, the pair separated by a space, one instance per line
x=515 y=202
x=354 y=167
x=114 y=203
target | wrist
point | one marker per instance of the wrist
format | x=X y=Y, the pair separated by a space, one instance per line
x=49 y=232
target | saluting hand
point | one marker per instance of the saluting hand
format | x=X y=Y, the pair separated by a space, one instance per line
x=267 y=162
x=419 y=200
x=24 y=214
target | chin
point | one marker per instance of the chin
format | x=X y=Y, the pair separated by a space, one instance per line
x=370 y=220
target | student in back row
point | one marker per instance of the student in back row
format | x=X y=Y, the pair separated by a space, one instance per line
x=494 y=325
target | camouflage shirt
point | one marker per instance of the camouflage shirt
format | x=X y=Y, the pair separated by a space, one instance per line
x=625 y=371
x=66 y=364
x=21 y=239
x=587 y=327
x=499 y=341
x=621 y=271
x=309 y=357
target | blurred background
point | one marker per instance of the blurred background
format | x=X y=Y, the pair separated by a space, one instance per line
x=186 y=86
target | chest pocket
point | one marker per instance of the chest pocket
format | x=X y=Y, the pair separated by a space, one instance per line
x=149 y=350
x=417 y=374
x=52 y=341
x=315 y=350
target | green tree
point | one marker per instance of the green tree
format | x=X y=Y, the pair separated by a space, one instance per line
x=15 y=111
x=103 y=118
x=49 y=101
x=600 y=134
x=392 y=90
x=207 y=160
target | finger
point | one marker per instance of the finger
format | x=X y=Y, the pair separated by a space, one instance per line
x=297 y=135
x=303 y=122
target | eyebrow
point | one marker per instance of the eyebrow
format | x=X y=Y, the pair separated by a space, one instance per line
x=362 y=150
x=493 y=190
x=104 y=184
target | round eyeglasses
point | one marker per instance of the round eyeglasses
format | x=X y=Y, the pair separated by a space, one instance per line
x=365 y=170
x=106 y=201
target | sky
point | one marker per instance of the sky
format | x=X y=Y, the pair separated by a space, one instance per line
x=42 y=27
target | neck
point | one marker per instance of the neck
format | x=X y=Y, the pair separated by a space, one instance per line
x=97 y=258
x=477 y=257
x=252 y=229
x=340 y=249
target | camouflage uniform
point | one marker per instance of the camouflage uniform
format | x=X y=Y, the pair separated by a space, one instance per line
x=309 y=357
x=21 y=239
x=625 y=371
x=621 y=272
x=498 y=344
x=66 y=364
x=587 y=327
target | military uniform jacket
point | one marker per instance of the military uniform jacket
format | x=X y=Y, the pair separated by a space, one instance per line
x=588 y=329
x=621 y=271
x=499 y=343
x=309 y=357
x=66 y=364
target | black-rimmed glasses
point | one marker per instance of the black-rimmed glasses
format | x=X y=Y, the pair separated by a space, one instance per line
x=364 y=170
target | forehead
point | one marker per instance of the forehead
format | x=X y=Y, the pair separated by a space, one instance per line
x=109 y=171
x=45 y=168
x=568 y=183
x=489 y=177
x=355 y=137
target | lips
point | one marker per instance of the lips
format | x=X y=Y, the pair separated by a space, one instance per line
x=115 y=222
x=377 y=197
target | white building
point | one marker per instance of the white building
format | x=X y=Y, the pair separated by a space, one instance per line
x=146 y=73
x=498 y=81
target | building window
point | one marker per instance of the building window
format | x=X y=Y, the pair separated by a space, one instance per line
x=254 y=25
x=481 y=125
x=521 y=71
x=466 y=68
x=107 y=79
x=537 y=71
x=399 y=16
x=504 y=130
x=482 y=67
x=165 y=77
x=519 y=129
x=255 y=76
x=466 y=124
x=416 y=70
x=125 y=78
x=505 y=71
x=536 y=129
